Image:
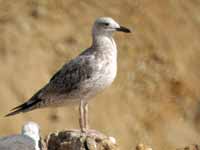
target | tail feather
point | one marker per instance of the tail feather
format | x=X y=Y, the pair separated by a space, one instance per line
x=13 y=113
x=27 y=106
x=20 y=106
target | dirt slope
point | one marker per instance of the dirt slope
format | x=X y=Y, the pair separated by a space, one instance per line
x=156 y=97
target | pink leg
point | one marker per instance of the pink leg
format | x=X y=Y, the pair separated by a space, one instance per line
x=86 y=120
x=81 y=115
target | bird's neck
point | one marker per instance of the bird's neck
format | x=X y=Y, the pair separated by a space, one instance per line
x=104 y=42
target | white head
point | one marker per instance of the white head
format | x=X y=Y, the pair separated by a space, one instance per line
x=31 y=129
x=106 y=26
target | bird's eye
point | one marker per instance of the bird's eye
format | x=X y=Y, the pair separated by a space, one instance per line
x=105 y=24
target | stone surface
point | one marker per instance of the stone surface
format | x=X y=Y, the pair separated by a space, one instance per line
x=190 y=147
x=143 y=147
x=75 y=140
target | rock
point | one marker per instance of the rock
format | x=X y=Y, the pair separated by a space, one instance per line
x=190 y=147
x=76 y=140
x=142 y=147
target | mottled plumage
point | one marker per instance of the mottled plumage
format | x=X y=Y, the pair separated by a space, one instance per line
x=84 y=76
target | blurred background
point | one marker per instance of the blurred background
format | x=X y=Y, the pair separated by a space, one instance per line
x=155 y=98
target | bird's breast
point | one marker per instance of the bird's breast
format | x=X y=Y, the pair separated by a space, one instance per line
x=104 y=73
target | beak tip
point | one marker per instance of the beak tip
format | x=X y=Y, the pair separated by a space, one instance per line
x=129 y=31
x=124 y=29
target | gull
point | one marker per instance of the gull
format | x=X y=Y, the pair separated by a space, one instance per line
x=84 y=76
x=27 y=140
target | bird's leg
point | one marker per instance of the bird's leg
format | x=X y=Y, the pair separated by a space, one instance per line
x=81 y=115
x=86 y=121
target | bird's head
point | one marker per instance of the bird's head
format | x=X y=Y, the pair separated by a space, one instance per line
x=32 y=130
x=106 y=26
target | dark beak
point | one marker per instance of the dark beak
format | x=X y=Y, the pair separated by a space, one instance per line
x=123 y=29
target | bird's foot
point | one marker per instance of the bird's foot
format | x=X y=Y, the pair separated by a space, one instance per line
x=84 y=130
